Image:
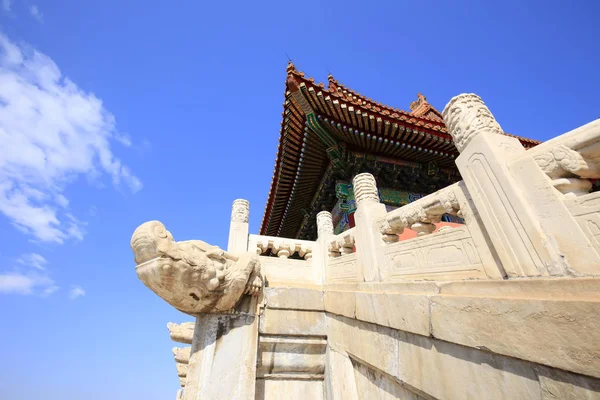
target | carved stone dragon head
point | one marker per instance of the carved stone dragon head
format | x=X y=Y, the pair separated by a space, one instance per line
x=192 y=276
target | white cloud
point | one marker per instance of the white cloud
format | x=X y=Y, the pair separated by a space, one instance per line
x=36 y=13
x=124 y=139
x=26 y=284
x=49 y=290
x=7 y=5
x=33 y=260
x=75 y=292
x=51 y=132
x=32 y=280
x=61 y=200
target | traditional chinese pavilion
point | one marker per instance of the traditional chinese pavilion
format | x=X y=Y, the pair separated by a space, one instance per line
x=330 y=134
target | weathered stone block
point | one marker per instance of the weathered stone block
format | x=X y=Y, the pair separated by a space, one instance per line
x=432 y=367
x=556 y=384
x=372 y=384
x=294 y=298
x=370 y=343
x=562 y=334
x=291 y=355
x=289 y=389
x=408 y=312
x=339 y=377
x=292 y=322
x=449 y=371
x=341 y=303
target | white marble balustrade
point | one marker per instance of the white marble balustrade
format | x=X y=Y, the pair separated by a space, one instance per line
x=342 y=243
x=280 y=247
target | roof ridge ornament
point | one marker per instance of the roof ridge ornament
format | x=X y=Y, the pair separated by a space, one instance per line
x=421 y=100
x=290 y=66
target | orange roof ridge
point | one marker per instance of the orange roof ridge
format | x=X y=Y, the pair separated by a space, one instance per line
x=422 y=108
x=359 y=99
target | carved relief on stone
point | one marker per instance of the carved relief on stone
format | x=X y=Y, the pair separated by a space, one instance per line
x=561 y=162
x=342 y=244
x=181 y=370
x=193 y=276
x=365 y=188
x=182 y=354
x=240 y=211
x=181 y=333
x=282 y=248
x=465 y=116
x=447 y=198
x=404 y=217
x=305 y=252
x=324 y=223
x=419 y=216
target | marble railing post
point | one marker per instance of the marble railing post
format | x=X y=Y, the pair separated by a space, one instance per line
x=321 y=249
x=522 y=245
x=238 y=228
x=369 y=243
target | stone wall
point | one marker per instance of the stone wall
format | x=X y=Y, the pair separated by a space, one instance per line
x=430 y=341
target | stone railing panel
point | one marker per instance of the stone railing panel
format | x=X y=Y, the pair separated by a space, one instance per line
x=342 y=243
x=281 y=247
x=447 y=254
x=586 y=211
x=344 y=268
x=286 y=270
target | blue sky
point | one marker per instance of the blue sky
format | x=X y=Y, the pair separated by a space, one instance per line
x=117 y=112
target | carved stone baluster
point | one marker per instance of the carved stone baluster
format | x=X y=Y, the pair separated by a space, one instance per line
x=334 y=248
x=262 y=246
x=308 y=254
x=346 y=243
x=282 y=249
x=304 y=251
x=422 y=228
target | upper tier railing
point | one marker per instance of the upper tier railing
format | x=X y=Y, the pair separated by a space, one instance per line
x=527 y=213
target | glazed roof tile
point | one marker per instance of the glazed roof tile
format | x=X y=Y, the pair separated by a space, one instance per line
x=417 y=135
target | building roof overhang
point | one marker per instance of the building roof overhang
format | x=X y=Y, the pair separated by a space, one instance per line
x=322 y=125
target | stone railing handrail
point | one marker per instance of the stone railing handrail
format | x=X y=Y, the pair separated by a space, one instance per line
x=571 y=159
x=342 y=243
x=421 y=214
x=281 y=247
